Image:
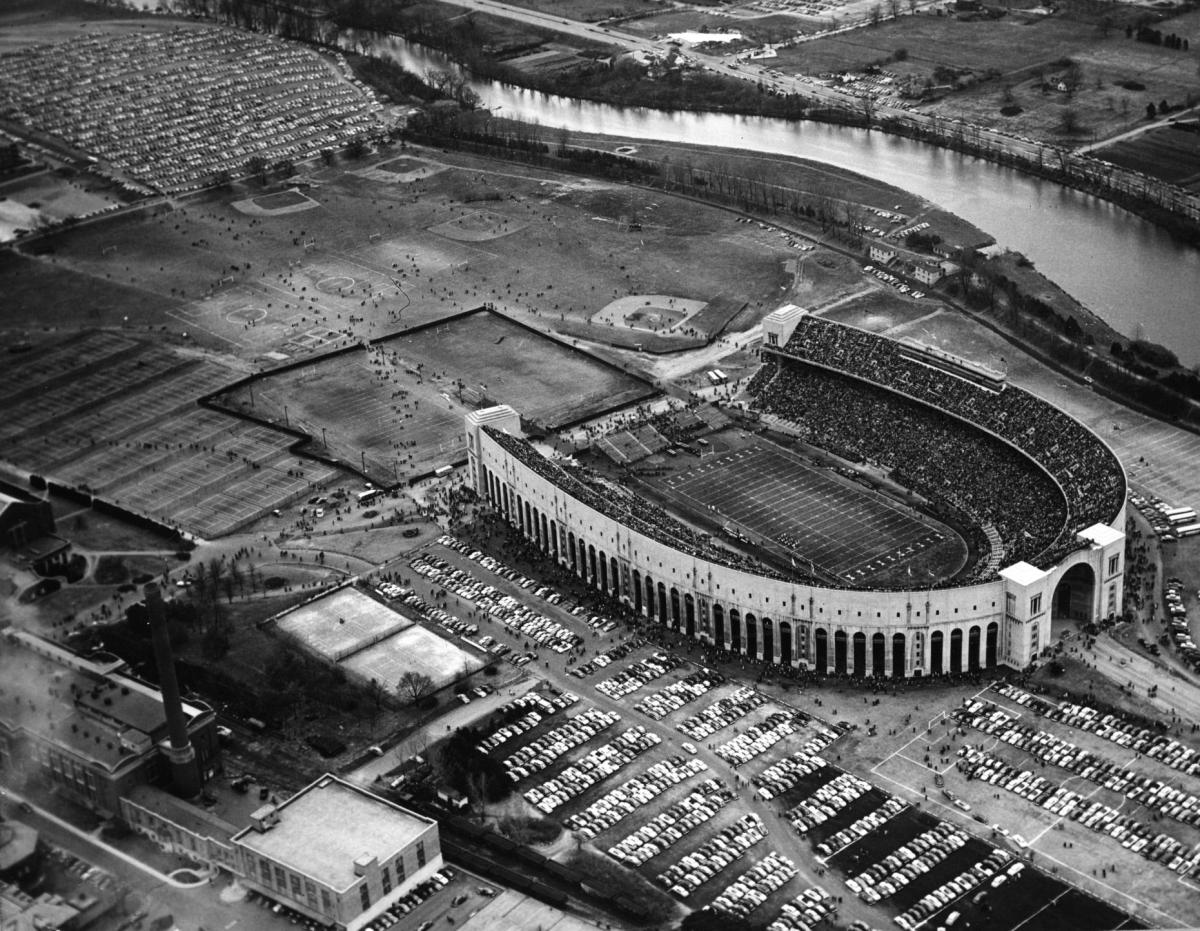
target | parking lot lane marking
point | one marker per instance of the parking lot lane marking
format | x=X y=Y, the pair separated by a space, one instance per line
x=1175 y=922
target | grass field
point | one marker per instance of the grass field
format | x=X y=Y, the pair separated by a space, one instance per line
x=846 y=530
x=1169 y=153
x=541 y=378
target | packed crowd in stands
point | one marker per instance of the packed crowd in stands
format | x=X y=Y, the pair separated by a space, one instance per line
x=939 y=457
x=172 y=108
x=941 y=454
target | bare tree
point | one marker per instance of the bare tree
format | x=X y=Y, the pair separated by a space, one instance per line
x=414 y=685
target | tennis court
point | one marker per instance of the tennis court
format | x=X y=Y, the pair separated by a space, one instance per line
x=842 y=527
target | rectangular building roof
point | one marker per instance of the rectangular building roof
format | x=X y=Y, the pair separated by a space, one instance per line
x=328 y=825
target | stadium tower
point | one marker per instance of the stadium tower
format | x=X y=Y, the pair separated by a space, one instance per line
x=185 y=772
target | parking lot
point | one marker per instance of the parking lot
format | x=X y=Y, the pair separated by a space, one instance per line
x=728 y=798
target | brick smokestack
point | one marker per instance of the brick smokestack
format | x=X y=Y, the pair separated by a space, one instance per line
x=185 y=773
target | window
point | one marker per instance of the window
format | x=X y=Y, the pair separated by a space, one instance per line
x=1114 y=563
x=326 y=902
x=280 y=879
x=310 y=893
x=296 y=889
x=1035 y=605
x=399 y=869
x=264 y=867
x=387 y=880
x=420 y=854
x=365 y=895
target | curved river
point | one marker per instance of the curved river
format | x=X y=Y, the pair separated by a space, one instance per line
x=1128 y=271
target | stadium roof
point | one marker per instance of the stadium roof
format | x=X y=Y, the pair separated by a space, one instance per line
x=1022 y=573
x=1100 y=535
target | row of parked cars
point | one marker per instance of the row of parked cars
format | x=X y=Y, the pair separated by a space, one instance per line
x=807 y=910
x=869 y=822
x=541 y=707
x=672 y=825
x=827 y=801
x=625 y=799
x=634 y=676
x=597 y=622
x=418 y=895
x=992 y=872
x=1112 y=728
x=541 y=752
x=760 y=738
x=724 y=848
x=677 y=694
x=517 y=617
x=1131 y=834
x=611 y=655
x=721 y=713
x=780 y=776
x=908 y=861
x=599 y=764
x=751 y=889
x=1159 y=796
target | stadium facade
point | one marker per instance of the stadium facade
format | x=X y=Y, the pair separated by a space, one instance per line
x=632 y=550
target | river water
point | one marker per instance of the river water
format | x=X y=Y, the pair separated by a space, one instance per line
x=1126 y=270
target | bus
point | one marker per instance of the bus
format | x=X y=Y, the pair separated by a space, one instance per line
x=366 y=497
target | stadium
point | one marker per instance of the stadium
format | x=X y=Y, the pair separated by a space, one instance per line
x=1037 y=497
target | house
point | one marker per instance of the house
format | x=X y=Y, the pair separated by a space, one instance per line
x=881 y=254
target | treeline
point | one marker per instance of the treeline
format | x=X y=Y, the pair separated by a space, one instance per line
x=1141 y=372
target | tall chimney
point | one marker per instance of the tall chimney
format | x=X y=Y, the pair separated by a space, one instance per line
x=185 y=773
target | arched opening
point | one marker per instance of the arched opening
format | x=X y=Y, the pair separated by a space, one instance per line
x=554 y=540
x=821 y=649
x=662 y=603
x=735 y=630
x=528 y=525
x=649 y=597
x=614 y=576
x=878 y=655
x=591 y=563
x=956 y=657
x=572 y=551
x=973 y=648
x=675 y=612
x=936 y=660
x=506 y=500
x=768 y=640
x=840 y=650
x=785 y=643
x=637 y=591
x=603 y=566
x=1076 y=594
x=689 y=615
x=718 y=614
x=993 y=644
x=899 y=663
x=751 y=635
x=860 y=653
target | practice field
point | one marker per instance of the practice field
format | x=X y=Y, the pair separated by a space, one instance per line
x=541 y=378
x=845 y=529
x=342 y=623
x=414 y=649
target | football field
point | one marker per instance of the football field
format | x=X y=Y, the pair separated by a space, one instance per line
x=847 y=530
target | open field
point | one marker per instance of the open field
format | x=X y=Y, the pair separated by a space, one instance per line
x=845 y=529
x=1170 y=152
x=541 y=378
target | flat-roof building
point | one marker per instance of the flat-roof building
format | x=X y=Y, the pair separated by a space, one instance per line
x=337 y=853
x=86 y=726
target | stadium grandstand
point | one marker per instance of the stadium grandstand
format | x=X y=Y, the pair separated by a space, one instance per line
x=1045 y=493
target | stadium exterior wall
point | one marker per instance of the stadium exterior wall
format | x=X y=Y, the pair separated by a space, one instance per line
x=857 y=632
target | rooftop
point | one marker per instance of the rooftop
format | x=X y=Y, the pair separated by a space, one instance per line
x=84 y=707
x=324 y=828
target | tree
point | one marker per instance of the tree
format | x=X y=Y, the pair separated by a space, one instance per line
x=414 y=685
x=875 y=14
x=1151 y=111
x=257 y=165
